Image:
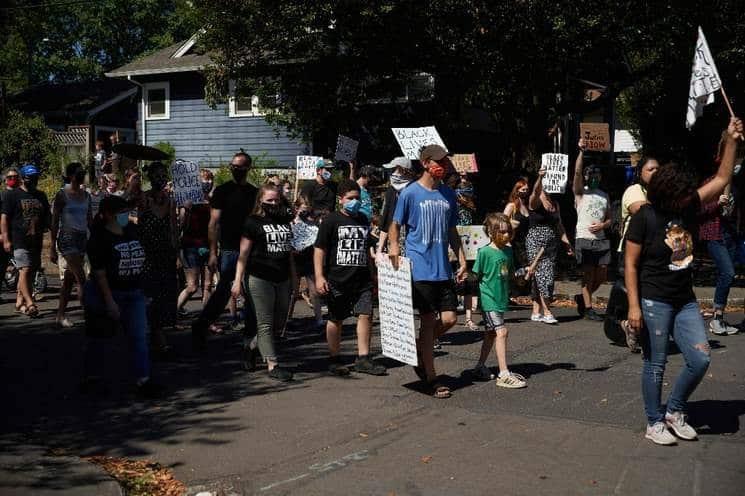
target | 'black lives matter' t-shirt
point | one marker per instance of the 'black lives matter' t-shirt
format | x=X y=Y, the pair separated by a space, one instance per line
x=346 y=241
x=666 y=262
x=28 y=215
x=270 y=250
x=121 y=256
x=234 y=201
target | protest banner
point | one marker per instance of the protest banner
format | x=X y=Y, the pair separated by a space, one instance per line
x=412 y=139
x=596 y=136
x=397 y=331
x=472 y=238
x=346 y=149
x=464 y=163
x=306 y=166
x=186 y=183
x=557 y=172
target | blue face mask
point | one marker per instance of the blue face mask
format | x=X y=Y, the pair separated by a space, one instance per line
x=325 y=175
x=122 y=219
x=352 y=206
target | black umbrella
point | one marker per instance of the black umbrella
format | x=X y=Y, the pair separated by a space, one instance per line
x=139 y=152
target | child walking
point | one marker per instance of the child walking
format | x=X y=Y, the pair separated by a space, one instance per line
x=494 y=268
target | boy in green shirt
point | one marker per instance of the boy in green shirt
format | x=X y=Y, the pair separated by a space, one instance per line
x=494 y=269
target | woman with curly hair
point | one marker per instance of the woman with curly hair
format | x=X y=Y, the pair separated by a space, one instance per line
x=659 y=281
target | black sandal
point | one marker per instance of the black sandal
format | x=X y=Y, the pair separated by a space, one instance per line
x=32 y=311
x=438 y=390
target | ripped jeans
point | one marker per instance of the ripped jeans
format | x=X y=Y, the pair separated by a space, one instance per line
x=688 y=330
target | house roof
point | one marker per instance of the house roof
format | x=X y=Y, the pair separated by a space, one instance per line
x=178 y=57
x=624 y=142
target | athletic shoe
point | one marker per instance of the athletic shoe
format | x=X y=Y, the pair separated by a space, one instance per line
x=482 y=373
x=364 y=365
x=338 y=369
x=549 y=319
x=280 y=374
x=659 y=434
x=237 y=325
x=512 y=381
x=677 y=422
x=591 y=314
x=437 y=345
x=580 y=301
x=536 y=317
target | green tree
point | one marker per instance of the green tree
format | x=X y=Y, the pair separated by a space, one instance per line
x=26 y=139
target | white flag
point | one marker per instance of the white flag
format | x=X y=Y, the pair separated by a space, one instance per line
x=704 y=81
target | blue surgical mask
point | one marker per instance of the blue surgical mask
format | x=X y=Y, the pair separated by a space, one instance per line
x=325 y=175
x=352 y=206
x=122 y=219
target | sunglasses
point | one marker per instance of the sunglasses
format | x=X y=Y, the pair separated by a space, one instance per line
x=14 y=176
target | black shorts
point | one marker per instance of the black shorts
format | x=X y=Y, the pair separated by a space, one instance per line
x=346 y=301
x=434 y=296
x=592 y=251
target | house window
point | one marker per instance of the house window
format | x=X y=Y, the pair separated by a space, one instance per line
x=157 y=101
x=241 y=103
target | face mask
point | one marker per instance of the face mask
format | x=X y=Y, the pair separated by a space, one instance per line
x=352 y=206
x=523 y=194
x=325 y=175
x=158 y=184
x=304 y=214
x=206 y=187
x=12 y=182
x=399 y=181
x=80 y=177
x=271 y=210
x=122 y=219
x=436 y=171
x=594 y=183
x=239 y=174
x=31 y=182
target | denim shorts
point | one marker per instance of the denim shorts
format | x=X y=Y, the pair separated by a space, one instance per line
x=72 y=242
x=27 y=258
x=494 y=321
x=195 y=258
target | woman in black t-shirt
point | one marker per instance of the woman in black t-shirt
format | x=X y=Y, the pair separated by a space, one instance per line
x=266 y=242
x=659 y=281
x=114 y=290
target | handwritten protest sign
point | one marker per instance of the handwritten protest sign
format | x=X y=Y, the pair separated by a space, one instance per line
x=186 y=183
x=412 y=139
x=306 y=166
x=472 y=238
x=596 y=136
x=464 y=163
x=346 y=149
x=397 y=332
x=557 y=172
x=705 y=81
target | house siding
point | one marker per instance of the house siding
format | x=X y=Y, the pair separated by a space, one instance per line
x=208 y=136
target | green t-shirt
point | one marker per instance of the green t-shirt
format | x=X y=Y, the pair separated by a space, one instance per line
x=493 y=267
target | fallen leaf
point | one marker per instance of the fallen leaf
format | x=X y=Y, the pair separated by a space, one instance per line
x=426 y=459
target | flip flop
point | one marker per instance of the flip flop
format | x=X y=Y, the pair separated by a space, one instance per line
x=439 y=391
x=23 y=309
x=32 y=311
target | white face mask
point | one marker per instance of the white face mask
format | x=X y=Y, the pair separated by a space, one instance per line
x=399 y=181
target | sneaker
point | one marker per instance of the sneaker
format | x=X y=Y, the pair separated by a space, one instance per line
x=536 y=317
x=149 y=389
x=632 y=340
x=580 y=301
x=237 y=325
x=677 y=422
x=659 y=434
x=64 y=323
x=482 y=373
x=280 y=374
x=364 y=365
x=437 y=345
x=512 y=381
x=338 y=369
x=591 y=314
x=549 y=319
x=182 y=313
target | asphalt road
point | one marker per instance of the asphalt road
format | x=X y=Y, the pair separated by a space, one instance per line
x=576 y=429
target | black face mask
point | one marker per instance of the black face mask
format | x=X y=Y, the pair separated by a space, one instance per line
x=80 y=176
x=273 y=211
x=158 y=184
x=206 y=187
x=239 y=174
x=304 y=214
x=31 y=182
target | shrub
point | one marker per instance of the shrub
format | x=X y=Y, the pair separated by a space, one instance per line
x=26 y=139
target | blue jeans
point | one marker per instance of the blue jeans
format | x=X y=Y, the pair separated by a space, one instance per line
x=134 y=323
x=723 y=253
x=221 y=295
x=688 y=330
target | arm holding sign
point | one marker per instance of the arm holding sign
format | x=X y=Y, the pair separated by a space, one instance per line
x=578 y=185
x=714 y=188
x=535 y=197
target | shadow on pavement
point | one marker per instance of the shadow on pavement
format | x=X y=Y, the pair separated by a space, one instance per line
x=716 y=416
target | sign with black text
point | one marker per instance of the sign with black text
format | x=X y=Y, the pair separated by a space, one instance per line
x=397 y=331
x=557 y=172
x=413 y=139
x=186 y=183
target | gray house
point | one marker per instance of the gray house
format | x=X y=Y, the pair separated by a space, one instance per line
x=172 y=109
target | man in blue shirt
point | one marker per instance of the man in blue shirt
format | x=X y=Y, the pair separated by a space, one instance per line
x=429 y=211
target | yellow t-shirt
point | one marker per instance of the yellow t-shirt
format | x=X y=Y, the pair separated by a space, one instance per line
x=633 y=194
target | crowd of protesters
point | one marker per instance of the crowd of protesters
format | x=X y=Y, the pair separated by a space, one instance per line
x=134 y=260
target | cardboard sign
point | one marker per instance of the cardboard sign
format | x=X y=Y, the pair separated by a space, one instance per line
x=306 y=166
x=472 y=238
x=464 y=163
x=186 y=183
x=596 y=136
x=412 y=139
x=346 y=149
x=557 y=172
x=397 y=331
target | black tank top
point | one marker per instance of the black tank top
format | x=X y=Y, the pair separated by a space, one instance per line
x=542 y=217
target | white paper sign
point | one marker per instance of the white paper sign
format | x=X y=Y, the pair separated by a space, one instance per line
x=346 y=149
x=303 y=235
x=186 y=182
x=306 y=166
x=412 y=139
x=557 y=172
x=705 y=81
x=397 y=332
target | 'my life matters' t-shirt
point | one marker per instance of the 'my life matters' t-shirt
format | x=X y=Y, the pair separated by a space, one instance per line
x=270 y=249
x=428 y=216
x=120 y=255
x=346 y=241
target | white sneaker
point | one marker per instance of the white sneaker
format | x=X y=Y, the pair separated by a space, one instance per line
x=512 y=381
x=659 y=434
x=677 y=422
x=536 y=317
x=549 y=319
x=720 y=327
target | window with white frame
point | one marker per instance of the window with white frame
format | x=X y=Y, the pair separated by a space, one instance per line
x=157 y=101
x=241 y=103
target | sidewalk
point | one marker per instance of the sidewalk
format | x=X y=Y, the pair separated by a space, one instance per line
x=704 y=294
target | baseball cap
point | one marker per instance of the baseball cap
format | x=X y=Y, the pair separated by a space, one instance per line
x=432 y=152
x=324 y=164
x=398 y=162
x=29 y=170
